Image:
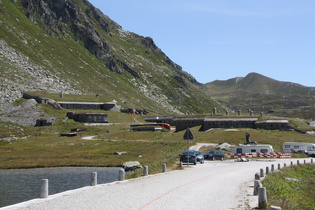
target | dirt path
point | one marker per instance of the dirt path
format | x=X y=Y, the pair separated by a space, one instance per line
x=199 y=145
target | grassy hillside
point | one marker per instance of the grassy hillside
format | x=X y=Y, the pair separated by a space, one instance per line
x=290 y=194
x=262 y=94
x=90 y=55
x=27 y=146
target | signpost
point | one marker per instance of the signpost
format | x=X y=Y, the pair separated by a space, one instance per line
x=188 y=136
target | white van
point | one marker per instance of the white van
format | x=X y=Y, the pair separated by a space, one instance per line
x=307 y=148
x=253 y=148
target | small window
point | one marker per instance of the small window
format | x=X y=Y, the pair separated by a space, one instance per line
x=311 y=148
x=252 y=150
x=296 y=147
x=239 y=150
x=287 y=146
x=264 y=150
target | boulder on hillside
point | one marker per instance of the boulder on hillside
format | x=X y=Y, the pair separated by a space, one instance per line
x=131 y=165
x=224 y=146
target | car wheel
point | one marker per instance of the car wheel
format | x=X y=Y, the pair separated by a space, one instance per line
x=195 y=163
x=202 y=161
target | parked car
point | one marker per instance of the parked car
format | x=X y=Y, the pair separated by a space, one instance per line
x=189 y=156
x=200 y=157
x=214 y=155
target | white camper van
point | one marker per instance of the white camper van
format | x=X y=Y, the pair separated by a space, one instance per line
x=253 y=148
x=307 y=148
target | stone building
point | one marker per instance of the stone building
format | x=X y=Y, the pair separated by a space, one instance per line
x=87 y=105
x=182 y=123
x=160 y=119
x=38 y=99
x=88 y=117
x=273 y=125
x=187 y=122
x=42 y=122
x=228 y=123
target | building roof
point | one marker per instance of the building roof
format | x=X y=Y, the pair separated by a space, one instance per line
x=274 y=121
x=230 y=119
x=89 y=113
x=188 y=118
x=89 y=103
x=71 y=102
x=159 y=117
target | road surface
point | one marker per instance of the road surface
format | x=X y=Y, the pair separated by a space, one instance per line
x=212 y=185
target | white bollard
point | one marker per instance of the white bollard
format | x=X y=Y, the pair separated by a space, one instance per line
x=44 y=189
x=164 y=168
x=262 y=198
x=93 y=179
x=262 y=172
x=122 y=174
x=145 y=171
x=257 y=185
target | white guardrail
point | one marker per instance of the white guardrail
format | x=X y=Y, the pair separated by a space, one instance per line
x=261 y=155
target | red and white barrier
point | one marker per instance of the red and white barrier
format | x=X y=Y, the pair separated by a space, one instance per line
x=261 y=155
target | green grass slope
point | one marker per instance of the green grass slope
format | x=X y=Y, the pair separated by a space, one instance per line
x=263 y=94
x=90 y=54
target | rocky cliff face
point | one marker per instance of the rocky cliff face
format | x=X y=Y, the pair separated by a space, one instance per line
x=56 y=45
x=60 y=16
x=34 y=77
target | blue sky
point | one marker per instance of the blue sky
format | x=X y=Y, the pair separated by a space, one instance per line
x=223 y=39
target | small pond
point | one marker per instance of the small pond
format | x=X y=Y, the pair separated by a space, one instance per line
x=19 y=185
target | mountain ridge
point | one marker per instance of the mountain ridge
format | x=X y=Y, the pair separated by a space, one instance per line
x=258 y=83
x=262 y=94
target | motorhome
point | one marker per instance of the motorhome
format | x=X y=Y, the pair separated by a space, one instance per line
x=307 y=148
x=253 y=148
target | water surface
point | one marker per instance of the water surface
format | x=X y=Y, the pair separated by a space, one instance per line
x=18 y=185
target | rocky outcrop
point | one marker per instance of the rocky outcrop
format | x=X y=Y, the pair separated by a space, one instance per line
x=25 y=75
x=131 y=165
x=58 y=15
x=25 y=114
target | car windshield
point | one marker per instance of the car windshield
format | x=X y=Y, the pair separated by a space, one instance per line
x=189 y=153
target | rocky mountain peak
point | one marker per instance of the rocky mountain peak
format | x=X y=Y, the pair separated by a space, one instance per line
x=70 y=46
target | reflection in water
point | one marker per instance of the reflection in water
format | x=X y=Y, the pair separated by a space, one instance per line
x=18 y=185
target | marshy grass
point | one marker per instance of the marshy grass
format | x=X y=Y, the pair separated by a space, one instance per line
x=289 y=194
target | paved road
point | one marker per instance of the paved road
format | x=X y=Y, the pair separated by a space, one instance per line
x=213 y=185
